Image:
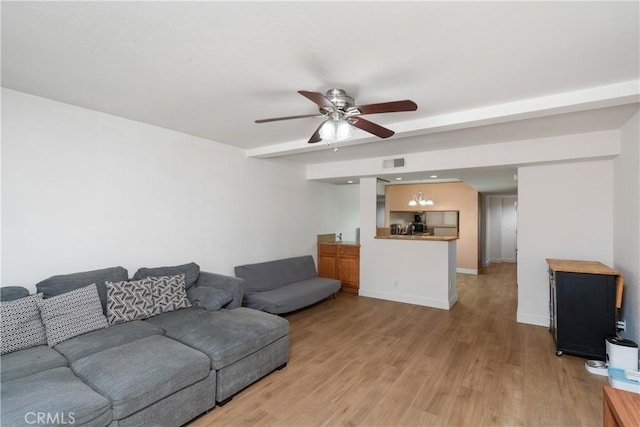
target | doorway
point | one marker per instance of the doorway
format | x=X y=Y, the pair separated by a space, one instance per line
x=501 y=229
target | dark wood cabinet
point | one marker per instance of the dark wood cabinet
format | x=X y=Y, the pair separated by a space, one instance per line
x=340 y=261
x=582 y=311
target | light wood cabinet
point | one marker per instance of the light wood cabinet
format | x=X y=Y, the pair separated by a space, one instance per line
x=621 y=408
x=340 y=261
x=327 y=265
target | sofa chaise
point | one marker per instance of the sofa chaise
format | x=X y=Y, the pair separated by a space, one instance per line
x=163 y=370
x=284 y=285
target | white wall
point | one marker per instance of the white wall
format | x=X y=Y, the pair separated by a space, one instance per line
x=84 y=190
x=626 y=228
x=564 y=211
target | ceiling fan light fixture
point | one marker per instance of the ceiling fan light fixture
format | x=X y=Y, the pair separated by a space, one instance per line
x=336 y=130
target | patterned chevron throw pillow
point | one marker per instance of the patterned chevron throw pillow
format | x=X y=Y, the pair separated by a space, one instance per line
x=127 y=301
x=169 y=293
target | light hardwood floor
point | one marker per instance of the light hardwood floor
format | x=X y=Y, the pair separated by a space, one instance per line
x=359 y=361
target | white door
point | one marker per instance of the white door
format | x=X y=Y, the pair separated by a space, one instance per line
x=509 y=229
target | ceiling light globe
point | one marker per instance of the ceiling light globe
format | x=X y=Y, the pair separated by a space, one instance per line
x=343 y=130
x=328 y=131
x=336 y=130
x=413 y=202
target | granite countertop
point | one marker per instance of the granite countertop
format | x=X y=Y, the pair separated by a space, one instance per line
x=418 y=237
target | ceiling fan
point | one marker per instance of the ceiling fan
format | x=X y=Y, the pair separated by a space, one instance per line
x=342 y=113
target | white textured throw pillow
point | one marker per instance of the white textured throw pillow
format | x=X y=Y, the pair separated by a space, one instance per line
x=127 y=301
x=169 y=293
x=71 y=314
x=20 y=324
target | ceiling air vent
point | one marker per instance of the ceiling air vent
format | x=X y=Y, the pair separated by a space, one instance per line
x=393 y=163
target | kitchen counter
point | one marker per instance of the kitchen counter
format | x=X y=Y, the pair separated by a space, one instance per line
x=418 y=237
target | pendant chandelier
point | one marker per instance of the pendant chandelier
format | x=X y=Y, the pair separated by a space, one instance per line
x=420 y=200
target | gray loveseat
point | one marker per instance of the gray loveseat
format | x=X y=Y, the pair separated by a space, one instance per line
x=162 y=371
x=284 y=285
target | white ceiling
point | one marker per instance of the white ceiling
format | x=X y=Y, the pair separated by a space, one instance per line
x=480 y=72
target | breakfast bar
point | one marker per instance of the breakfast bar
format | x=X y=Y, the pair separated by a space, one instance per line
x=416 y=269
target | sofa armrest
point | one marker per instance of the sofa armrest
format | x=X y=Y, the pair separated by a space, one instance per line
x=233 y=285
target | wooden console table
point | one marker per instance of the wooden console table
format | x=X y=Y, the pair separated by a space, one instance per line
x=621 y=408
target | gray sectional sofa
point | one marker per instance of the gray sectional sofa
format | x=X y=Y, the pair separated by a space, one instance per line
x=284 y=285
x=161 y=371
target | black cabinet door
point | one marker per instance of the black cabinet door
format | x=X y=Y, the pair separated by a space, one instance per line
x=585 y=313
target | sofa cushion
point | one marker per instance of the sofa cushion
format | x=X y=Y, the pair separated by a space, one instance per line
x=226 y=336
x=293 y=296
x=139 y=373
x=20 y=324
x=104 y=339
x=29 y=361
x=191 y=272
x=60 y=284
x=168 y=293
x=56 y=393
x=209 y=298
x=273 y=274
x=10 y=293
x=71 y=314
x=129 y=300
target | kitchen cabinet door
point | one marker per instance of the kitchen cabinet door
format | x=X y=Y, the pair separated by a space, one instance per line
x=327 y=261
x=349 y=268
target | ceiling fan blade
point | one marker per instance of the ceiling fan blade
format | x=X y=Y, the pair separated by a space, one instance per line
x=371 y=127
x=318 y=98
x=316 y=135
x=275 y=119
x=388 y=107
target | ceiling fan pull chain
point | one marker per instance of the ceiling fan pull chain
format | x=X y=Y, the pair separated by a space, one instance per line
x=335 y=148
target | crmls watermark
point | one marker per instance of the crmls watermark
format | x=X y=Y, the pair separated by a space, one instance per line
x=60 y=418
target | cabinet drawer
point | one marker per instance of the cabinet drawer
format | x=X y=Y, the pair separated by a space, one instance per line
x=349 y=250
x=330 y=250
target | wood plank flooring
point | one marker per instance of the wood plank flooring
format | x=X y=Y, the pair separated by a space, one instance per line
x=357 y=361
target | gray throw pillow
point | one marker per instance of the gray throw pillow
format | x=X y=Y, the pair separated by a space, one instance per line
x=10 y=293
x=127 y=301
x=20 y=324
x=71 y=314
x=168 y=294
x=57 y=285
x=211 y=299
x=191 y=272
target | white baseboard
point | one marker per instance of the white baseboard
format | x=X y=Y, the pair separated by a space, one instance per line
x=409 y=299
x=533 y=319
x=467 y=271
x=453 y=300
